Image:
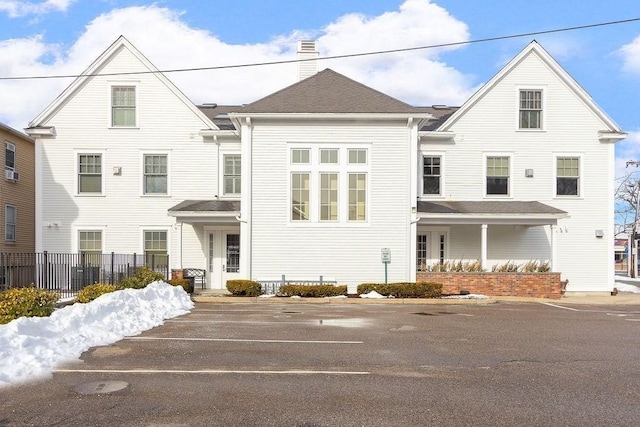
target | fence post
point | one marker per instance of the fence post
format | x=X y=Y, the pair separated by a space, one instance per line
x=321 y=280
x=135 y=261
x=111 y=275
x=284 y=282
x=46 y=270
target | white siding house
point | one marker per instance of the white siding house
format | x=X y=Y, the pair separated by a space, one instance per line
x=318 y=178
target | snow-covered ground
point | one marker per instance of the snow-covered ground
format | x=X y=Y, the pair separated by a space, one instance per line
x=31 y=347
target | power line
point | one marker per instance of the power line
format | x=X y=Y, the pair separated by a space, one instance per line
x=350 y=55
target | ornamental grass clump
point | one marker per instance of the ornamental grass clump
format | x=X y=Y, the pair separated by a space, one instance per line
x=26 y=302
x=91 y=292
x=244 y=288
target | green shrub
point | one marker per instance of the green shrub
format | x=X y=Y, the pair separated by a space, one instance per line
x=403 y=289
x=26 y=302
x=244 y=288
x=91 y=292
x=141 y=278
x=313 y=291
x=181 y=282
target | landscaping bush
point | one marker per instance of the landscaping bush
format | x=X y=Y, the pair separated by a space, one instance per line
x=454 y=266
x=26 y=302
x=91 y=292
x=186 y=285
x=244 y=288
x=141 y=278
x=403 y=289
x=312 y=291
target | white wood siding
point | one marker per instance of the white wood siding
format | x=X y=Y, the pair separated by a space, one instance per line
x=350 y=252
x=571 y=128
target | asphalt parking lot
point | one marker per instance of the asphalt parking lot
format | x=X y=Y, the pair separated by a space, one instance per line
x=287 y=364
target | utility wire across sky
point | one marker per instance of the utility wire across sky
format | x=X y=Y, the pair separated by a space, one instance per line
x=350 y=55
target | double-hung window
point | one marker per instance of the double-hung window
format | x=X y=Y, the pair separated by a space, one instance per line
x=155 y=174
x=431 y=175
x=530 y=109
x=567 y=176
x=232 y=171
x=9 y=156
x=10 y=216
x=155 y=248
x=90 y=246
x=123 y=106
x=357 y=185
x=300 y=196
x=89 y=173
x=497 y=175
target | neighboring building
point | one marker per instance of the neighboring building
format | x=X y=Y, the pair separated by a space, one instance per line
x=17 y=192
x=318 y=178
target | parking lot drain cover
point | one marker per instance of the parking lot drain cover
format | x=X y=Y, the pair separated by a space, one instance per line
x=100 y=387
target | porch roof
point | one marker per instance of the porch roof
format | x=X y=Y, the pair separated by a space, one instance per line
x=206 y=211
x=488 y=212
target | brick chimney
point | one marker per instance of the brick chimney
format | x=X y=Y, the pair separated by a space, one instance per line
x=307 y=54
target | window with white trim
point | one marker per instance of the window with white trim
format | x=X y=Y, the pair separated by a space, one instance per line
x=328 y=156
x=123 y=106
x=567 y=176
x=156 y=248
x=497 y=175
x=10 y=217
x=9 y=156
x=431 y=175
x=232 y=173
x=357 y=196
x=300 y=196
x=328 y=196
x=357 y=156
x=300 y=156
x=155 y=174
x=90 y=246
x=89 y=173
x=530 y=109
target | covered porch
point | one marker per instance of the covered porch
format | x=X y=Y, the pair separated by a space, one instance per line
x=489 y=247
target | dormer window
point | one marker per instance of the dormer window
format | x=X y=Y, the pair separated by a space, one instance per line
x=530 y=109
x=123 y=106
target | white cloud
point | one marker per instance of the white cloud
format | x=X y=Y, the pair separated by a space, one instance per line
x=418 y=77
x=22 y=8
x=630 y=54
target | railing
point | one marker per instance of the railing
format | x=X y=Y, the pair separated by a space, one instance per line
x=273 y=286
x=67 y=273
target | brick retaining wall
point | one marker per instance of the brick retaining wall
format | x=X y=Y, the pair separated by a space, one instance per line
x=539 y=285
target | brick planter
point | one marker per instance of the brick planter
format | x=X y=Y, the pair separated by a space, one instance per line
x=539 y=285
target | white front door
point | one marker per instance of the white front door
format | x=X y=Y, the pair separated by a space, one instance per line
x=230 y=256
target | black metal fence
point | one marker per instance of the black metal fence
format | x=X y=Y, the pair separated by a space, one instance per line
x=67 y=273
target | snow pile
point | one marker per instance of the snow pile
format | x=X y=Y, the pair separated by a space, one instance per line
x=31 y=347
x=623 y=287
x=372 y=295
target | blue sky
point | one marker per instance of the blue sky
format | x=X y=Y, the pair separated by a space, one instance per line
x=64 y=36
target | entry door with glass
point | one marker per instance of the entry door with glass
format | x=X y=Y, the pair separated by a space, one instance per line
x=231 y=256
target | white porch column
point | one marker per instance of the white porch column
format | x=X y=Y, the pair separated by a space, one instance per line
x=483 y=246
x=553 y=247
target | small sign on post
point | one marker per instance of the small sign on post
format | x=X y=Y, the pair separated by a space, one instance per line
x=386 y=259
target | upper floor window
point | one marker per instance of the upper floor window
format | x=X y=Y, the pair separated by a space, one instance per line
x=497 y=176
x=567 y=176
x=329 y=196
x=89 y=173
x=530 y=109
x=156 y=248
x=358 y=156
x=357 y=196
x=10 y=223
x=123 y=106
x=232 y=168
x=90 y=246
x=300 y=196
x=155 y=174
x=329 y=156
x=300 y=156
x=9 y=156
x=431 y=173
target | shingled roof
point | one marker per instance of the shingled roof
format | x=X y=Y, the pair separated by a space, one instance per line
x=329 y=92
x=505 y=207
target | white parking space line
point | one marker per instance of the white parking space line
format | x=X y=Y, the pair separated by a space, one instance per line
x=559 y=306
x=247 y=322
x=242 y=340
x=206 y=371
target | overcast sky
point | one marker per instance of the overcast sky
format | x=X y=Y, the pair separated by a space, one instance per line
x=62 y=37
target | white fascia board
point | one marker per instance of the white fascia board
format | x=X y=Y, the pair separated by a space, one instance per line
x=210 y=133
x=609 y=136
x=432 y=134
x=207 y=214
x=334 y=116
x=36 y=132
x=533 y=219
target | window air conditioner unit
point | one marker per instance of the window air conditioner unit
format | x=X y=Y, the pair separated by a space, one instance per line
x=12 y=175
